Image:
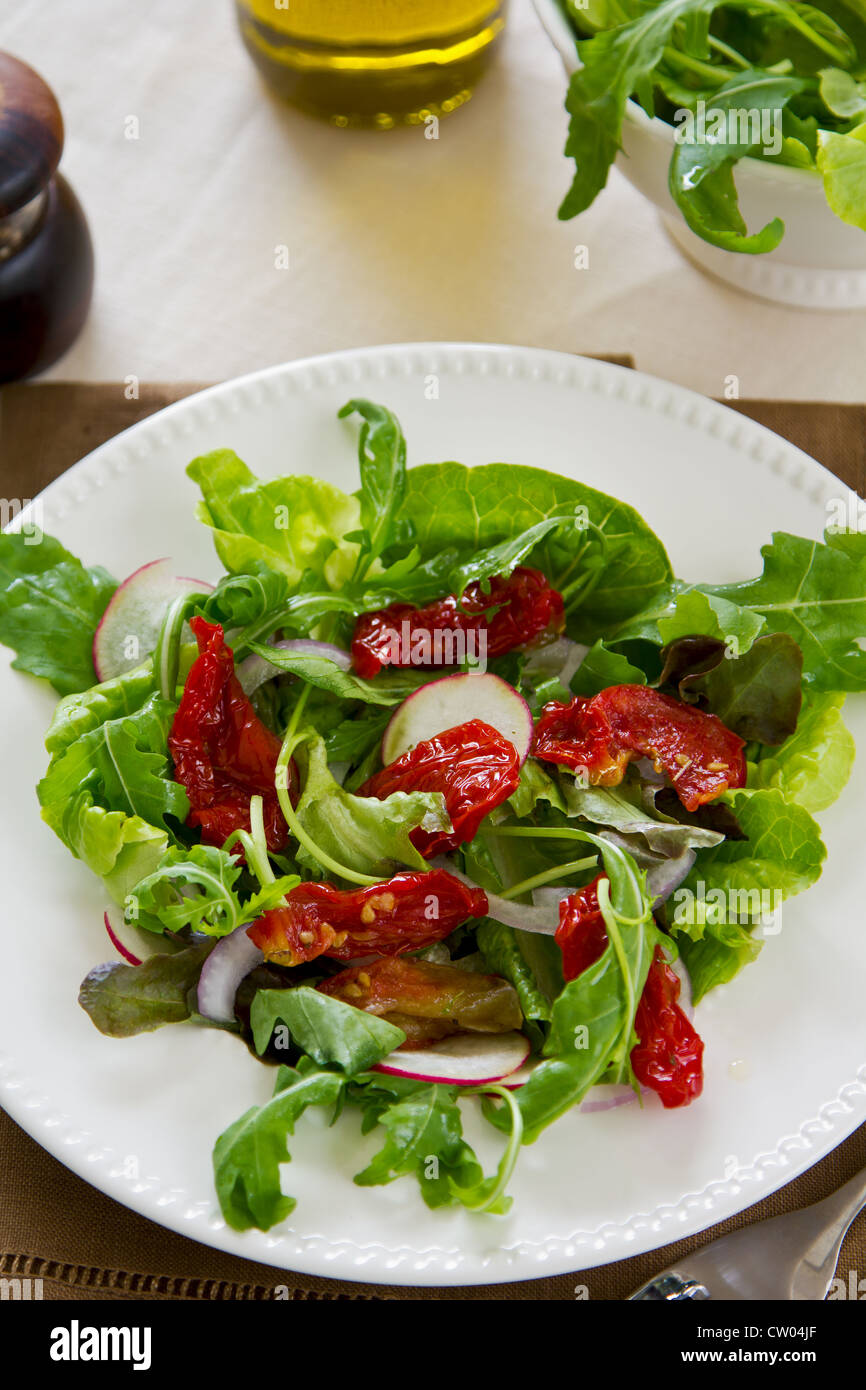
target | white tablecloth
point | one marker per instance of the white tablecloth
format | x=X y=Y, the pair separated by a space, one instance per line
x=390 y=236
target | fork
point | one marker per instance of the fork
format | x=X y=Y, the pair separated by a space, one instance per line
x=792 y=1256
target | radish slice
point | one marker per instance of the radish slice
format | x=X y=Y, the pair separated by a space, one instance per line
x=255 y=670
x=130 y=625
x=133 y=943
x=230 y=961
x=453 y=700
x=466 y=1059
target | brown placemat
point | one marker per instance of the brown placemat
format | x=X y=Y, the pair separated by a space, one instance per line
x=54 y=1227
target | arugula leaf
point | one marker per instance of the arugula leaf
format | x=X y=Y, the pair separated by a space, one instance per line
x=612 y=64
x=592 y=1021
x=123 y=763
x=389 y=687
x=382 y=458
x=759 y=694
x=329 y=1031
x=812 y=767
x=504 y=557
x=293 y=525
x=701 y=173
x=247 y=1156
x=425 y=1138
x=353 y=739
x=365 y=834
x=50 y=607
x=696 y=611
x=605 y=565
x=814 y=592
x=122 y=1000
x=163 y=901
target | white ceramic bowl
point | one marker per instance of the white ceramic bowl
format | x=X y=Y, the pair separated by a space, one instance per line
x=821 y=262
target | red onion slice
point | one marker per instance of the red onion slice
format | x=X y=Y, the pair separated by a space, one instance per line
x=256 y=670
x=229 y=962
x=542 y=916
x=559 y=658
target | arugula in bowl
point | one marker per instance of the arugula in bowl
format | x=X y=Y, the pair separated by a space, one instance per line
x=773 y=80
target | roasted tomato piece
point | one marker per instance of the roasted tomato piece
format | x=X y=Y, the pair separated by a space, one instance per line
x=579 y=736
x=700 y=755
x=404 y=913
x=515 y=610
x=223 y=754
x=474 y=768
x=428 y=1001
x=669 y=1055
x=581 y=934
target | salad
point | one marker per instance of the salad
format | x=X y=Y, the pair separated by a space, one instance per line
x=448 y=793
x=769 y=79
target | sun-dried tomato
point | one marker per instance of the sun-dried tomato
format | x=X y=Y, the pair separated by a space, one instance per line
x=223 y=754
x=428 y=1001
x=700 y=755
x=581 y=934
x=404 y=913
x=668 y=1056
x=474 y=768
x=513 y=611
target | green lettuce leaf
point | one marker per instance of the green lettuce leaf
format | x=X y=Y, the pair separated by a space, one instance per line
x=329 y=1031
x=842 y=164
x=50 y=607
x=365 y=834
x=80 y=713
x=721 y=953
x=121 y=849
x=123 y=764
x=294 y=525
x=813 y=766
x=747 y=880
x=389 y=688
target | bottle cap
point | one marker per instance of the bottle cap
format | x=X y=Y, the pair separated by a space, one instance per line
x=31 y=134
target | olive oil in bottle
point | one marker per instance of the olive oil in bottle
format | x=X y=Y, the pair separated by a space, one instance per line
x=372 y=62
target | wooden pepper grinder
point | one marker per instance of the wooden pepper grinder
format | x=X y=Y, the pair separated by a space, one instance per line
x=46 y=255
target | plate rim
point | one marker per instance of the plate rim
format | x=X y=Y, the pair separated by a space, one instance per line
x=437 y=1265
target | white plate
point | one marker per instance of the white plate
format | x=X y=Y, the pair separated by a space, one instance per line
x=138 y=1118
